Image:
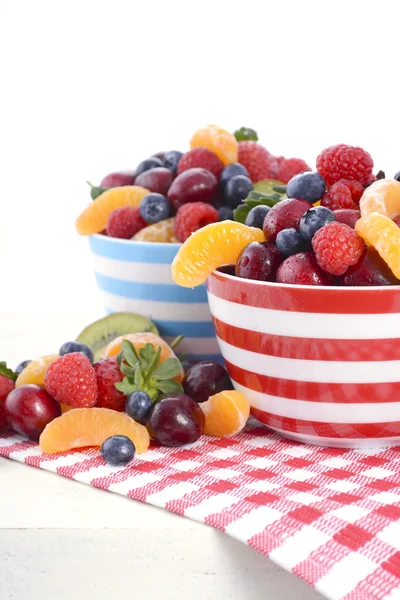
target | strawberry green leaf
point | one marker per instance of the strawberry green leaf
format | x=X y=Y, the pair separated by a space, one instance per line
x=138 y=378
x=146 y=354
x=169 y=386
x=130 y=354
x=4 y=370
x=125 y=370
x=168 y=369
x=125 y=386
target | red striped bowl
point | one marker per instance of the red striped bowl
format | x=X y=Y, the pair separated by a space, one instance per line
x=319 y=365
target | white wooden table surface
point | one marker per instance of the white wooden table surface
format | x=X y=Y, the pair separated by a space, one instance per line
x=63 y=540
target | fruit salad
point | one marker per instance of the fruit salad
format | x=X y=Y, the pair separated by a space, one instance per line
x=119 y=387
x=170 y=195
x=335 y=226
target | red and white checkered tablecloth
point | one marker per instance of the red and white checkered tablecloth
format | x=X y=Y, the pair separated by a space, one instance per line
x=330 y=516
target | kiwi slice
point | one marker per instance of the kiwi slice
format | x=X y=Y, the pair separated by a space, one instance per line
x=267 y=186
x=99 y=334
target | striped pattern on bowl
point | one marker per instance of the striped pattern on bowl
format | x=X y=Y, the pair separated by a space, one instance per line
x=319 y=365
x=136 y=277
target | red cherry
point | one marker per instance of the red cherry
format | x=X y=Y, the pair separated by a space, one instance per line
x=156 y=180
x=259 y=260
x=29 y=409
x=118 y=179
x=284 y=215
x=176 y=420
x=193 y=185
x=302 y=269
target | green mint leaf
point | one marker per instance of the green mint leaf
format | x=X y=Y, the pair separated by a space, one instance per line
x=168 y=369
x=169 y=386
x=125 y=386
x=240 y=213
x=130 y=354
x=245 y=133
x=146 y=354
x=4 y=370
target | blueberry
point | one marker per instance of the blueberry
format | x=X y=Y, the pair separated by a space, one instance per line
x=149 y=163
x=138 y=406
x=306 y=186
x=397 y=176
x=236 y=190
x=69 y=347
x=290 y=241
x=256 y=216
x=231 y=171
x=154 y=208
x=225 y=213
x=118 y=450
x=314 y=219
x=171 y=159
x=22 y=366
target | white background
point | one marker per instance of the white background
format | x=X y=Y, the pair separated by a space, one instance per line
x=92 y=86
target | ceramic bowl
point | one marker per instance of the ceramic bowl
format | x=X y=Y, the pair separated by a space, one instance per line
x=320 y=365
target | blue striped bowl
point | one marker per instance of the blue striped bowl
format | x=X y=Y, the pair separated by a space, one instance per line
x=136 y=277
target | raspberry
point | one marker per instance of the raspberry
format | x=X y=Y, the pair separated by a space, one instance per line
x=108 y=373
x=6 y=386
x=345 y=215
x=71 y=379
x=260 y=164
x=345 y=162
x=289 y=167
x=202 y=158
x=343 y=194
x=125 y=222
x=337 y=247
x=193 y=216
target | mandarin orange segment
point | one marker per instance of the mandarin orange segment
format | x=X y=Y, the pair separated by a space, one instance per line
x=161 y=232
x=35 y=371
x=383 y=234
x=212 y=246
x=382 y=196
x=94 y=218
x=218 y=140
x=226 y=413
x=83 y=427
x=139 y=340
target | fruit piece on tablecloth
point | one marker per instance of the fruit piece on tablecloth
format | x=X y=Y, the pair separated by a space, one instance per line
x=71 y=379
x=139 y=340
x=117 y=450
x=176 y=420
x=383 y=234
x=7 y=384
x=35 y=371
x=101 y=333
x=210 y=247
x=226 y=413
x=94 y=218
x=83 y=427
x=108 y=374
x=161 y=232
x=29 y=408
x=218 y=140
x=382 y=196
x=204 y=379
